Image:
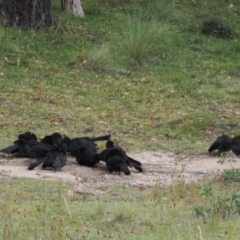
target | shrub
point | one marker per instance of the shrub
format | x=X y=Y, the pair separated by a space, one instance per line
x=216 y=26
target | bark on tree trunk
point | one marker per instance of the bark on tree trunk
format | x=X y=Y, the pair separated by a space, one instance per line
x=73 y=6
x=28 y=13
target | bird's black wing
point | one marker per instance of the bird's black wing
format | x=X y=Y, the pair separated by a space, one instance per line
x=49 y=159
x=60 y=161
x=56 y=158
x=33 y=149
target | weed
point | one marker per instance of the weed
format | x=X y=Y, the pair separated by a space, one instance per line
x=222 y=158
x=207 y=190
x=231 y=175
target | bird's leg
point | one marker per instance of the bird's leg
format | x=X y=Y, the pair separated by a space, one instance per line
x=9 y=157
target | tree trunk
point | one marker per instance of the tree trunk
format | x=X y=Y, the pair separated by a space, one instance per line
x=73 y=6
x=28 y=13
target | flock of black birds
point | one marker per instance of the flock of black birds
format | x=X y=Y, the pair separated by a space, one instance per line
x=225 y=143
x=52 y=151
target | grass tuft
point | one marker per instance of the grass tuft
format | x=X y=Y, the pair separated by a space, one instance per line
x=139 y=40
x=96 y=59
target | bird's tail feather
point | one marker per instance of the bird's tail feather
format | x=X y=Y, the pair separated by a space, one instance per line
x=101 y=138
x=136 y=164
x=10 y=149
x=32 y=166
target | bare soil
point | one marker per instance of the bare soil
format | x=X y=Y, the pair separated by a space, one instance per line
x=159 y=168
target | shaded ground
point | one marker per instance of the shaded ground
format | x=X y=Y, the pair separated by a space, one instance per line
x=159 y=168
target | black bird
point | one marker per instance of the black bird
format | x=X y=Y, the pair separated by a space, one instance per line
x=87 y=150
x=117 y=164
x=55 y=138
x=55 y=158
x=222 y=144
x=131 y=162
x=76 y=144
x=22 y=138
x=33 y=149
x=52 y=139
x=87 y=155
x=115 y=160
x=235 y=145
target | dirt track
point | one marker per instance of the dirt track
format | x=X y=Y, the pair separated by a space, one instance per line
x=159 y=168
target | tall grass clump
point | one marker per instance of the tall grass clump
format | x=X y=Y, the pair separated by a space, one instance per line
x=138 y=40
x=96 y=59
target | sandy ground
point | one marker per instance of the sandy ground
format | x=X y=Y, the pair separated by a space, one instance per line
x=159 y=168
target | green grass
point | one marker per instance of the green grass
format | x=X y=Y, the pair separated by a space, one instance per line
x=142 y=71
x=36 y=209
x=151 y=80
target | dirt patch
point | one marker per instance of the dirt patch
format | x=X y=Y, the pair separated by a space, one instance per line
x=159 y=168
